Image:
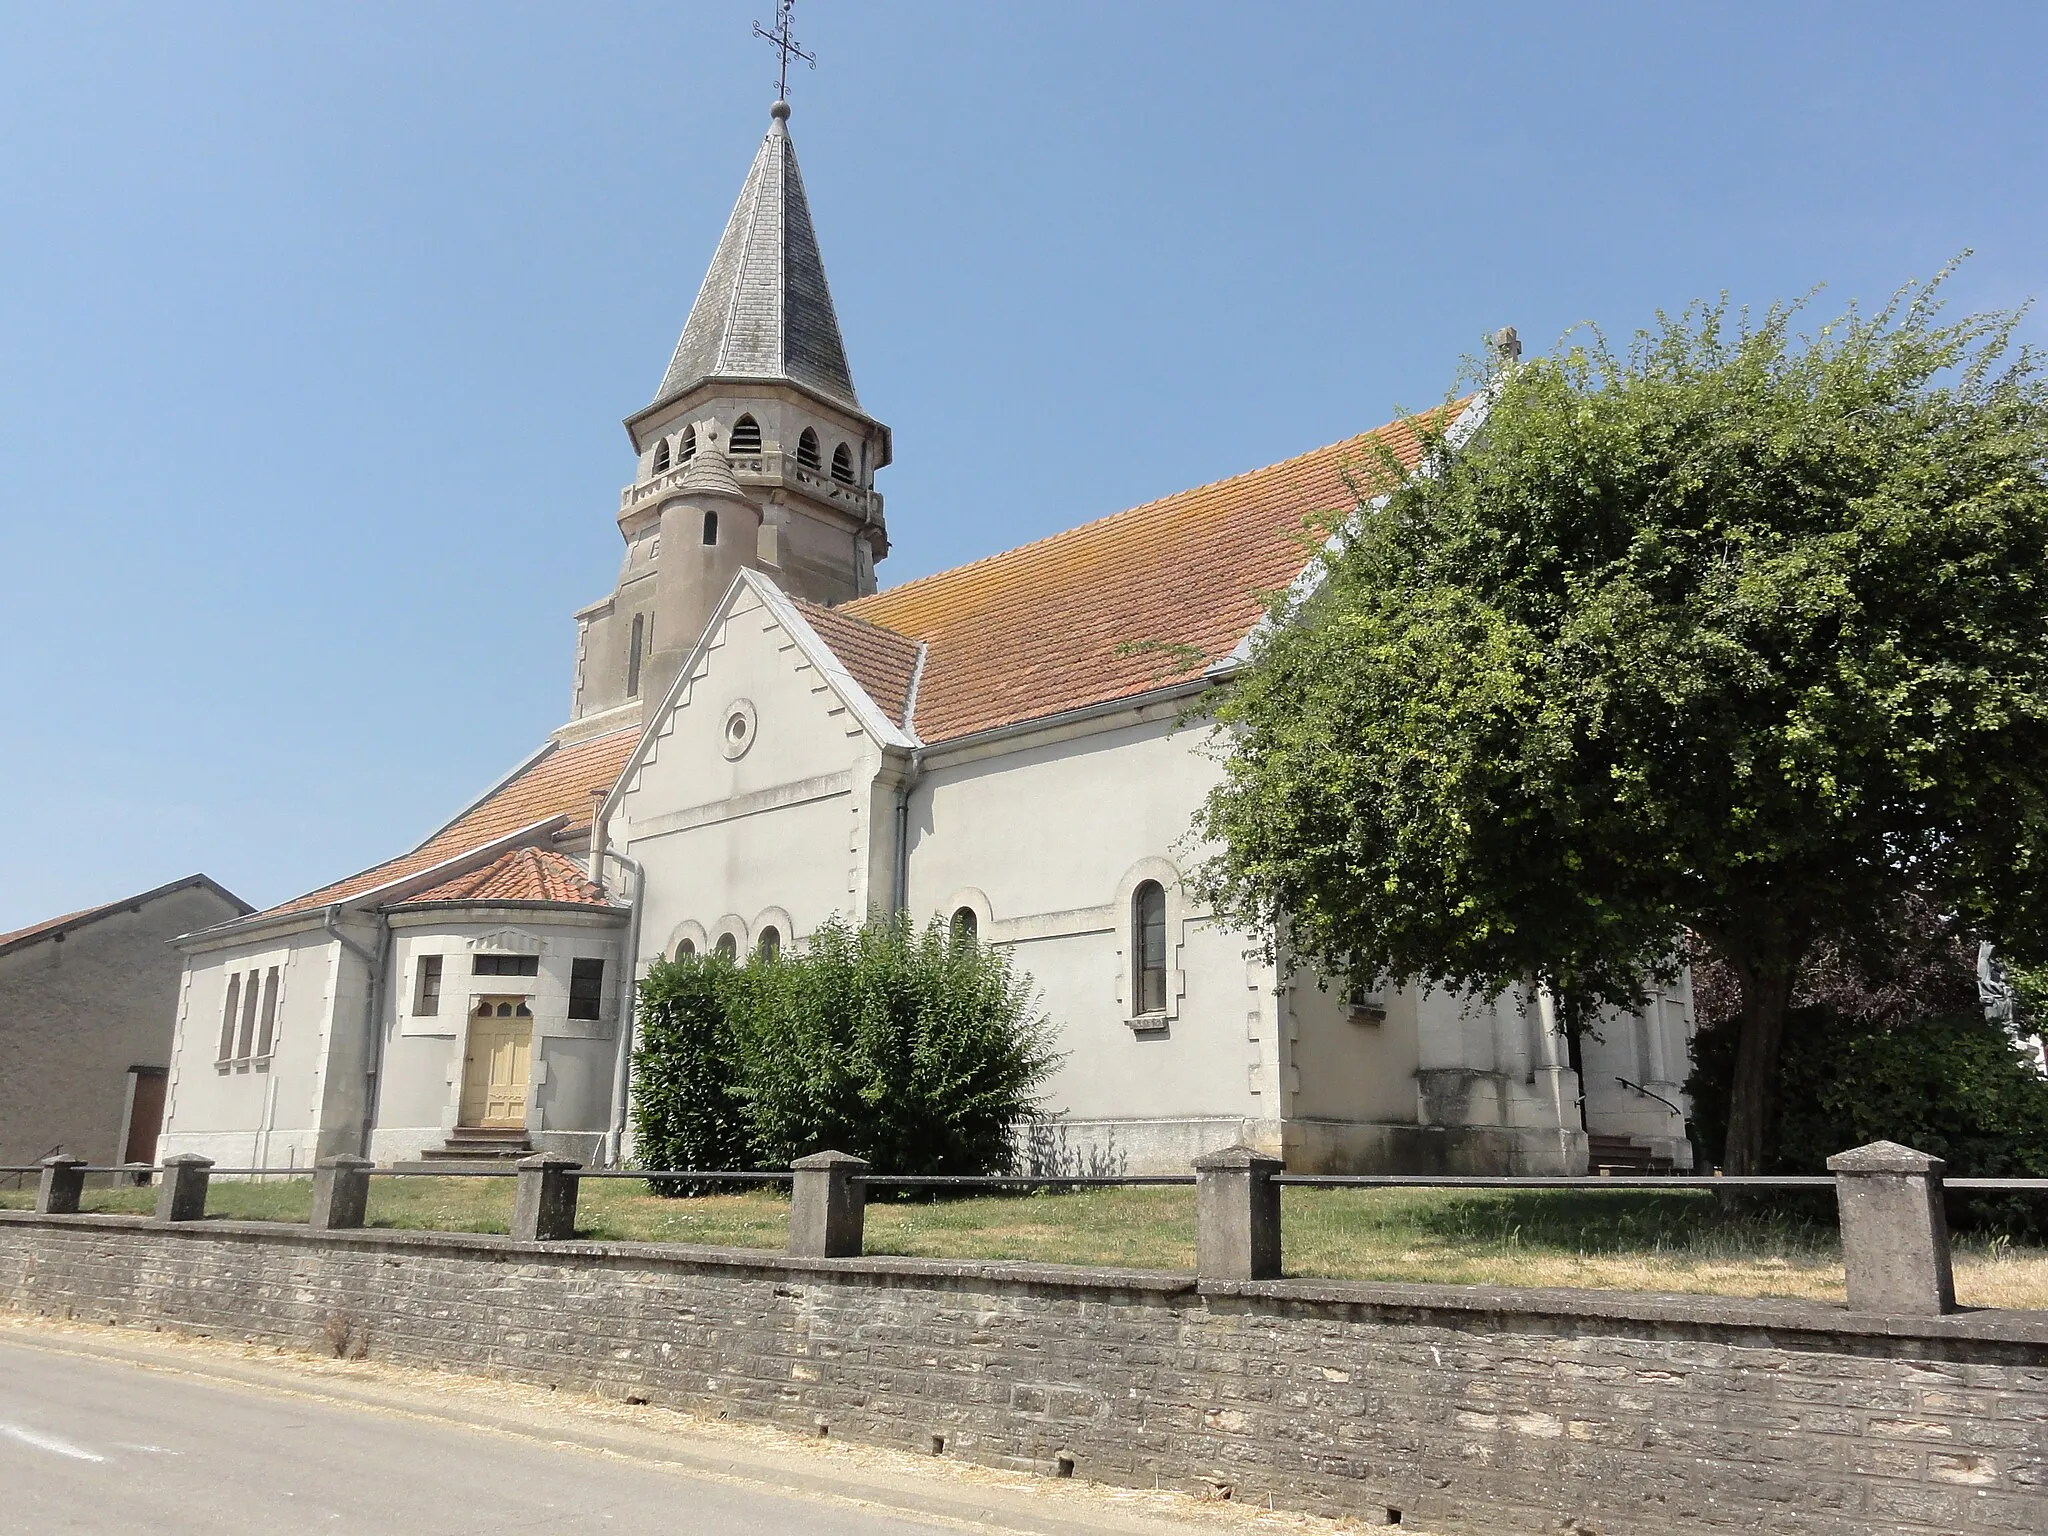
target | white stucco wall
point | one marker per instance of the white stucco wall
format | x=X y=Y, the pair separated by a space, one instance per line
x=274 y=1111
x=778 y=832
x=420 y=1089
x=1048 y=840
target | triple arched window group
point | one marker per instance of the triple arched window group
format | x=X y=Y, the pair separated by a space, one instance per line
x=1148 y=946
x=746 y=443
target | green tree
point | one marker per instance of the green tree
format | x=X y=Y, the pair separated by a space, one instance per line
x=1736 y=631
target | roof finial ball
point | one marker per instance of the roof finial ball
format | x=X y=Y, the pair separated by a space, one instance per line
x=780 y=111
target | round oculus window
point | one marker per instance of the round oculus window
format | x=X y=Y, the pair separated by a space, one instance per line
x=739 y=731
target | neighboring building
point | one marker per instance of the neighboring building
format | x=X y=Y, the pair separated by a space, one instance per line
x=776 y=743
x=87 y=1005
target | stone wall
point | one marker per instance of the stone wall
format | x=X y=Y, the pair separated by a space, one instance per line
x=1466 y=1409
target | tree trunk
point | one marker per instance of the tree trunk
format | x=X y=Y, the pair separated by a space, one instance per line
x=1766 y=995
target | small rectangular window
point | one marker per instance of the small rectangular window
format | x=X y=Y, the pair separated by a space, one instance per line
x=247 y=1037
x=505 y=965
x=266 y=1023
x=230 y=1015
x=426 y=992
x=586 y=988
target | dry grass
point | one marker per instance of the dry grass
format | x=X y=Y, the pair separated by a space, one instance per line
x=1683 y=1241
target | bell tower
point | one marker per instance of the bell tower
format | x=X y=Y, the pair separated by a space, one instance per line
x=755 y=452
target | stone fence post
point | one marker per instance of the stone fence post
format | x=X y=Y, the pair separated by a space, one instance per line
x=544 y=1202
x=341 y=1192
x=1894 y=1232
x=182 y=1195
x=827 y=1206
x=1237 y=1215
x=62 y=1182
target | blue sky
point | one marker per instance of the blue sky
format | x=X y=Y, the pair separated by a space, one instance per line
x=317 y=323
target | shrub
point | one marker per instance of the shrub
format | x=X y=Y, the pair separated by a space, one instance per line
x=916 y=1050
x=686 y=1110
x=1956 y=1086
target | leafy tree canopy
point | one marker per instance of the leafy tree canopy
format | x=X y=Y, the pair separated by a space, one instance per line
x=1737 y=631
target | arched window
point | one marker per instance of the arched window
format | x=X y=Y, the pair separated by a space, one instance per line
x=807 y=451
x=769 y=945
x=842 y=464
x=710 y=527
x=633 y=650
x=661 y=457
x=727 y=947
x=1148 y=945
x=966 y=925
x=686 y=449
x=686 y=950
x=746 y=438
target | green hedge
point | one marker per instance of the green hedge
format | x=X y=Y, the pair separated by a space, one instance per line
x=1956 y=1086
x=916 y=1050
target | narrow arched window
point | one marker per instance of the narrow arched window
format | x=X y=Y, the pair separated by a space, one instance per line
x=1148 y=944
x=686 y=950
x=842 y=464
x=633 y=650
x=966 y=925
x=746 y=437
x=710 y=527
x=686 y=449
x=661 y=457
x=807 y=451
x=727 y=947
x=769 y=945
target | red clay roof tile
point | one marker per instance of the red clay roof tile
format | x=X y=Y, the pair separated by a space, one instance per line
x=524 y=874
x=558 y=784
x=1052 y=626
x=880 y=660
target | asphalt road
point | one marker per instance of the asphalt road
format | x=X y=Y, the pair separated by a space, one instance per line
x=93 y=1445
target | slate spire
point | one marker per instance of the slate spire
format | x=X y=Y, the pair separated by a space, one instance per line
x=765 y=310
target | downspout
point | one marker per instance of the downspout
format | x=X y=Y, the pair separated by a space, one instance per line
x=373 y=1037
x=901 y=903
x=629 y=1002
x=901 y=896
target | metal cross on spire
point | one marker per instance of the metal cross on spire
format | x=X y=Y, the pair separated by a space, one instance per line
x=785 y=43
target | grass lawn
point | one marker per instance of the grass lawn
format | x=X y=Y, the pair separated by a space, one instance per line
x=1608 y=1240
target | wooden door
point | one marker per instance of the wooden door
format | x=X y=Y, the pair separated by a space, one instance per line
x=145 y=1114
x=497 y=1064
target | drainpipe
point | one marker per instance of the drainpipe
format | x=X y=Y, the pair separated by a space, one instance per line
x=901 y=896
x=622 y=1077
x=598 y=838
x=373 y=1041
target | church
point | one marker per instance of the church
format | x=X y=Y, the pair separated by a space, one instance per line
x=762 y=737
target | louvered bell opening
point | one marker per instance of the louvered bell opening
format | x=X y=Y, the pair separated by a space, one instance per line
x=686 y=450
x=807 y=451
x=661 y=457
x=746 y=438
x=842 y=465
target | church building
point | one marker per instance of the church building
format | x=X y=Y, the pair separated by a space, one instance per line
x=760 y=740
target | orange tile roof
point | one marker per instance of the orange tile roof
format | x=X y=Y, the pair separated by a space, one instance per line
x=880 y=660
x=524 y=874
x=557 y=784
x=1039 y=630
